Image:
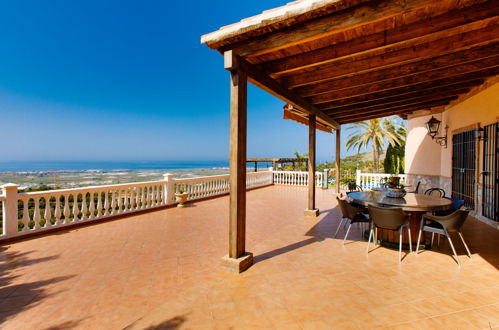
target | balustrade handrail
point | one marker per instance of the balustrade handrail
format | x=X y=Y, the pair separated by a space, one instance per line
x=90 y=188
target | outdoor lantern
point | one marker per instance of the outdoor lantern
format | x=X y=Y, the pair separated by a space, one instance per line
x=432 y=126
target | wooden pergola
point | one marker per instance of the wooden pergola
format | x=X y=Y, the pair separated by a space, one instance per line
x=343 y=61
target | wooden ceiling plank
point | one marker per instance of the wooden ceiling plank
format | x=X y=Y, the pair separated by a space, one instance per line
x=416 y=68
x=360 y=117
x=263 y=81
x=460 y=73
x=396 y=99
x=365 y=16
x=402 y=92
x=399 y=105
x=335 y=70
x=297 y=59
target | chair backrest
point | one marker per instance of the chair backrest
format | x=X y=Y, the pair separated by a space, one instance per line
x=387 y=218
x=348 y=210
x=456 y=203
x=435 y=192
x=354 y=187
x=454 y=221
x=417 y=187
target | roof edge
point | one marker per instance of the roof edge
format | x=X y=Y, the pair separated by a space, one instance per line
x=288 y=15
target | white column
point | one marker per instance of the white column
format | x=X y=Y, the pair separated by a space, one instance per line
x=10 y=209
x=324 y=178
x=168 y=186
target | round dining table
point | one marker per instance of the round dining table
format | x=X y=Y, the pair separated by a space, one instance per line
x=414 y=204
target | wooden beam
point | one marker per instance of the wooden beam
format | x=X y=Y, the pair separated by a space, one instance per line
x=238 y=110
x=363 y=17
x=381 y=59
x=311 y=210
x=338 y=160
x=296 y=59
x=461 y=58
x=262 y=80
x=461 y=73
x=238 y=259
x=401 y=92
x=394 y=101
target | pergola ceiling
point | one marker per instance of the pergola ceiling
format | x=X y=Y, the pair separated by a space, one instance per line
x=348 y=61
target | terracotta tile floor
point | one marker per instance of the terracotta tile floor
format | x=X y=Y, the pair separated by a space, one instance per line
x=160 y=270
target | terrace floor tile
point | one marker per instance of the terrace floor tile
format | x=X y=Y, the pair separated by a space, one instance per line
x=161 y=270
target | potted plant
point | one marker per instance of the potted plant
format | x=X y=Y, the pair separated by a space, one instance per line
x=181 y=197
x=394 y=180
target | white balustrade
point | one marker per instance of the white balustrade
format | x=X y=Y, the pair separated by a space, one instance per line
x=27 y=213
x=295 y=178
x=374 y=180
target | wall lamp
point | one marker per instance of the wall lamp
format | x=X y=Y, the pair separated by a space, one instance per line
x=433 y=125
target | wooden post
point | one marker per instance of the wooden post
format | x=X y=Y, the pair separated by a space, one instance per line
x=311 y=210
x=338 y=161
x=238 y=259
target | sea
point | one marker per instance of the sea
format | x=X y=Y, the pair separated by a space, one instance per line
x=32 y=166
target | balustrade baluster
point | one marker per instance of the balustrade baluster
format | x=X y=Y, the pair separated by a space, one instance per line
x=91 y=207
x=113 y=202
x=47 y=215
x=84 y=206
x=76 y=210
x=137 y=198
x=107 y=194
x=66 y=212
x=57 y=210
x=26 y=218
x=99 y=205
x=36 y=213
x=120 y=201
x=157 y=195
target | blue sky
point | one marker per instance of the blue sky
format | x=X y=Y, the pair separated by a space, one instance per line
x=128 y=80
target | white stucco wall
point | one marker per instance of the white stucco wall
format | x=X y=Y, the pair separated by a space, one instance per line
x=426 y=159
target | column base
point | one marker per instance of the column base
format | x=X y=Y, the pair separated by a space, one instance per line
x=313 y=213
x=237 y=265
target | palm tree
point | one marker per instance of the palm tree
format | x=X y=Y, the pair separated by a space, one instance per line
x=375 y=132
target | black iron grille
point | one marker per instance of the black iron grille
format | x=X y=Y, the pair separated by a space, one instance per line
x=464 y=167
x=490 y=198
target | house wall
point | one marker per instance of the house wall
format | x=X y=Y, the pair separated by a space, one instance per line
x=428 y=162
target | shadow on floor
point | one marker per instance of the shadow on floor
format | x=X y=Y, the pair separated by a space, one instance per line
x=16 y=298
x=170 y=324
x=322 y=230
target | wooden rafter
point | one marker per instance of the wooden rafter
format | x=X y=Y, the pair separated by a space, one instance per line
x=423 y=89
x=415 y=53
x=295 y=59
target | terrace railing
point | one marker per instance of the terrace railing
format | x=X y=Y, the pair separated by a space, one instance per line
x=32 y=212
x=374 y=180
